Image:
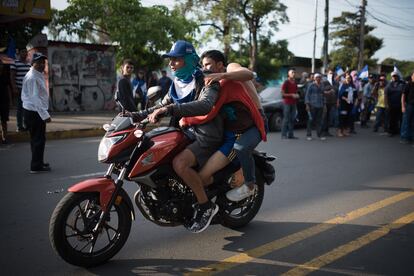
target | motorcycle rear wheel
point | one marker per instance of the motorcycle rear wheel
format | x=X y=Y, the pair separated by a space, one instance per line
x=238 y=214
x=71 y=224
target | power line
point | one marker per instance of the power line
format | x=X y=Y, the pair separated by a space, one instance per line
x=388 y=23
x=385 y=4
x=301 y=34
x=389 y=19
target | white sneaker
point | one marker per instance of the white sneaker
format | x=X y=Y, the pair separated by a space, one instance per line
x=240 y=193
x=309 y=138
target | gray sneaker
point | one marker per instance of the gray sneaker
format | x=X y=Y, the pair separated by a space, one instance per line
x=203 y=219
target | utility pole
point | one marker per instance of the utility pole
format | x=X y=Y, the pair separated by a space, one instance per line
x=326 y=36
x=361 y=35
x=314 y=36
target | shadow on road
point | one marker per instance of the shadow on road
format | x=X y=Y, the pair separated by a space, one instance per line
x=391 y=254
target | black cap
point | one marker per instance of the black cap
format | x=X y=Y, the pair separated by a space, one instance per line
x=38 y=56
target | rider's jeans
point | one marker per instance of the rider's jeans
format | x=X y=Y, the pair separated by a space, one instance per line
x=244 y=147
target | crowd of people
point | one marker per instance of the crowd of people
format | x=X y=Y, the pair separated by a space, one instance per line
x=132 y=89
x=339 y=100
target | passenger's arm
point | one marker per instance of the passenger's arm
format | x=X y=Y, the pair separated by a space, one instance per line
x=201 y=106
x=234 y=72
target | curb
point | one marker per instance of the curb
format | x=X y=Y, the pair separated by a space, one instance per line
x=64 y=134
x=57 y=135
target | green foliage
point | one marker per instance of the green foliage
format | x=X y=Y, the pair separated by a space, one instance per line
x=346 y=39
x=269 y=60
x=256 y=14
x=406 y=67
x=221 y=17
x=139 y=32
x=228 y=20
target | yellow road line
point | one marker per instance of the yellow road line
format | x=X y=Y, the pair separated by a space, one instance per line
x=347 y=248
x=257 y=252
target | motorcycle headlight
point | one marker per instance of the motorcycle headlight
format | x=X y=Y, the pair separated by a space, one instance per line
x=104 y=146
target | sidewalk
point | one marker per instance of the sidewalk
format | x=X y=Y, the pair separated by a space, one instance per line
x=66 y=125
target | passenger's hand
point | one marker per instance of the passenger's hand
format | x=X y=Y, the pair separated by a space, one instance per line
x=153 y=117
x=48 y=120
x=183 y=122
x=403 y=109
x=208 y=79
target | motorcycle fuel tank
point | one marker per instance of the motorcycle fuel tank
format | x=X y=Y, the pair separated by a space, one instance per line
x=168 y=142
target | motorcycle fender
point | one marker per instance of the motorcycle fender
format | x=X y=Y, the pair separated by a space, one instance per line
x=105 y=187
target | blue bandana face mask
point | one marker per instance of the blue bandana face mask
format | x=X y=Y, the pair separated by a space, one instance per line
x=190 y=65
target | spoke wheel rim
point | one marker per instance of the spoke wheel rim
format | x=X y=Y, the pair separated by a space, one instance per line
x=79 y=227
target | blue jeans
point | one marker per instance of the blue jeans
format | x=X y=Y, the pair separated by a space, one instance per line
x=381 y=116
x=289 y=115
x=244 y=147
x=407 y=126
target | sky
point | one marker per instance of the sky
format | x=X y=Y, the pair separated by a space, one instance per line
x=393 y=20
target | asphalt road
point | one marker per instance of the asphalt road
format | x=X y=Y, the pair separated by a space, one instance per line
x=338 y=207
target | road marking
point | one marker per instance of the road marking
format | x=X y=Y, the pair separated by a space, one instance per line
x=262 y=250
x=349 y=247
x=82 y=176
x=356 y=272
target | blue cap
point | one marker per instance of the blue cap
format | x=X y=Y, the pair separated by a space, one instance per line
x=180 y=49
x=38 y=56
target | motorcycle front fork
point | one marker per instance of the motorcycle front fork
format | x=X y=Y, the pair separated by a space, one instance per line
x=118 y=185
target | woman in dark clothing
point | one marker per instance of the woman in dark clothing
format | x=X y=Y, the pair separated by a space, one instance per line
x=346 y=98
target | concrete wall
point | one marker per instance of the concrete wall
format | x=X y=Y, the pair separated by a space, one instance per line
x=82 y=77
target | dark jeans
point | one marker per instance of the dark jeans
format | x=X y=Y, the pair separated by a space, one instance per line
x=328 y=118
x=407 y=126
x=289 y=114
x=381 y=117
x=19 y=112
x=316 y=121
x=366 y=113
x=37 y=130
x=395 y=119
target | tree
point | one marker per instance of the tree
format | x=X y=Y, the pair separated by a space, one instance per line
x=139 y=32
x=406 y=67
x=220 y=16
x=227 y=18
x=346 y=38
x=269 y=60
x=256 y=14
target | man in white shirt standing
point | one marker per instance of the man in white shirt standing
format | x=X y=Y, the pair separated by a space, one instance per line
x=35 y=98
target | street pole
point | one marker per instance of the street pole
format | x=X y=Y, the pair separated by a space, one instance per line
x=314 y=36
x=361 y=35
x=326 y=36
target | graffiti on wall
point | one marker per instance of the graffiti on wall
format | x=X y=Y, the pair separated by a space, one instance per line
x=81 y=79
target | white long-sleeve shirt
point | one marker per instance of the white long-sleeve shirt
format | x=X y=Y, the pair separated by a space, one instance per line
x=35 y=96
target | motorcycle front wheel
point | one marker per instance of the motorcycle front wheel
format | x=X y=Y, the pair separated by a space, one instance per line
x=71 y=229
x=238 y=214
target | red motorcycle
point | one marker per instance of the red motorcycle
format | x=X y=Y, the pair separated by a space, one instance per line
x=92 y=221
